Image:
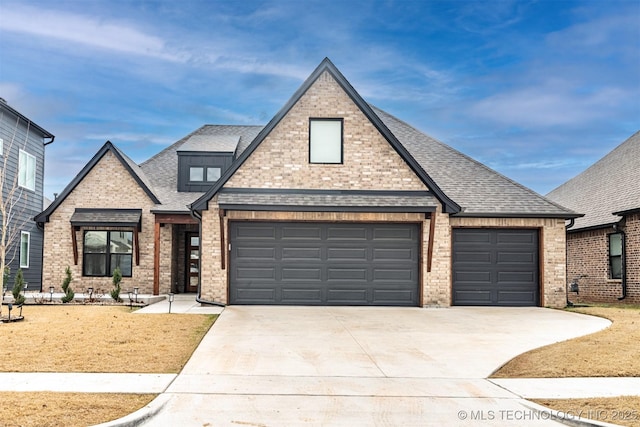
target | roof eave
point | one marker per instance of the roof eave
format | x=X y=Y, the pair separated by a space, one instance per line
x=516 y=215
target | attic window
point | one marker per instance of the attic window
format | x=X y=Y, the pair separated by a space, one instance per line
x=325 y=141
x=196 y=174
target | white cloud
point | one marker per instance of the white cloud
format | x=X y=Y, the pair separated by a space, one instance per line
x=549 y=105
x=86 y=30
x=120 y=137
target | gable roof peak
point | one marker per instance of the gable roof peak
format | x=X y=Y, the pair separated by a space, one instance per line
x=108 y=147
x=448 y=204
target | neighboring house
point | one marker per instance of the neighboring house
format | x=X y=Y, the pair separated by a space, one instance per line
x=333 y=202
x=22 y=147
x=603 y=247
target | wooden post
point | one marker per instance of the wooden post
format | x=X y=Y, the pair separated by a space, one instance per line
x=432 y=230
x=156 y=259
x=223 y=248
x=74 y=243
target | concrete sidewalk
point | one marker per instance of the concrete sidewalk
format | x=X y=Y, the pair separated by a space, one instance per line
x=182 y=304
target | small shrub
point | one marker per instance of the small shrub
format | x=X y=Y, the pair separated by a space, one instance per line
x=117 y=278
x=18 y=286
x=68 y=292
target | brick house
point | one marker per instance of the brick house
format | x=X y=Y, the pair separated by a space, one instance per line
x=333 y=202
x=603 y=247
x=22 y=154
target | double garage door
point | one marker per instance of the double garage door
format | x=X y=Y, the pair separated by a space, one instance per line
x=324 y=263
x=375 y=264
x=495 y=267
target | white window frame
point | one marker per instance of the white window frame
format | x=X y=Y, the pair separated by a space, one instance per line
x=1 y=147
x=24 y=253
x=25 y=179
x=326 y=140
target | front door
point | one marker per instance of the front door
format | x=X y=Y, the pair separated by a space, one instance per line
x=193 y=262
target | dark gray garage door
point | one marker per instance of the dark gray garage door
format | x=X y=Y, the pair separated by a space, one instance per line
x=495 y=267
x=324 y=263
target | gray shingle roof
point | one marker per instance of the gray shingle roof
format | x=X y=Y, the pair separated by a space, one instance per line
x=162 y=169
x=478 y=189
x=211 y=143
x=612 y=184
x=346 y=200
x=111 y=217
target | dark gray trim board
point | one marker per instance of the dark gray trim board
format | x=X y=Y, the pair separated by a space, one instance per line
x=298 y=208
x=324 y=192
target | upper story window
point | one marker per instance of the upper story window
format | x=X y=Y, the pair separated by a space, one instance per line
x=325 y=141
x=616 y=254
x=27 y=171
x=202 y=174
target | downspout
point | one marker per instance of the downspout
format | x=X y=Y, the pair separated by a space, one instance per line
x=195 y=215
x=49 y=142
x=572 y=221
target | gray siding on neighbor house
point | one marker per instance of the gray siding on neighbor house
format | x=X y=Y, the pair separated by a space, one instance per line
x=19 y=133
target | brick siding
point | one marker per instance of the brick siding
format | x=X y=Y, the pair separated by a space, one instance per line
x=107 y=185
x=588 y=255
x=281 y=161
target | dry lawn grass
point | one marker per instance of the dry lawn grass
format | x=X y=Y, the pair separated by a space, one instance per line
x=616 y=410
x=66 y=409
x=612 y=352
x=76 y=338
x=73 y=338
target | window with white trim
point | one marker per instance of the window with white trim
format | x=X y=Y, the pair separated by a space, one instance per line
x=325 y=141
x=1 y=146
x=27 y=171
x=25 y=247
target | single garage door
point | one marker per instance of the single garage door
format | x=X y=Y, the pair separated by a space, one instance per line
x=495 y=267
x=324 y=263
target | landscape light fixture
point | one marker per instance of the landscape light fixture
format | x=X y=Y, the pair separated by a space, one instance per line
x=10 y=307
x=90 y=290
x=135 y=292
x=130 y=300
x=170 y=301
x=50 y=293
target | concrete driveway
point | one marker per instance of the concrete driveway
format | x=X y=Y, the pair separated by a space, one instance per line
x=275 y=366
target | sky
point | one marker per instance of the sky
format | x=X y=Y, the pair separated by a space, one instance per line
x=537 y=90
